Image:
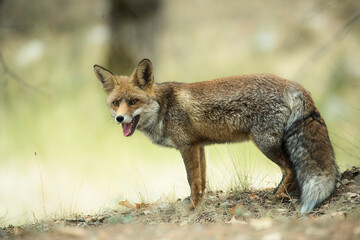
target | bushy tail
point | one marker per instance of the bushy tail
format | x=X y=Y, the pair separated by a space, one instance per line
x=308 y=147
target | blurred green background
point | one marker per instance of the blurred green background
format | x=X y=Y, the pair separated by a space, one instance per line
x=60 y=151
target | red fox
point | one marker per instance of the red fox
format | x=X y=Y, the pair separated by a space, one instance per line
x=277 y=115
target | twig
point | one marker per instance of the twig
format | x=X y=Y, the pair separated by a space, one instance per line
x=320 y=51
x=19 y=80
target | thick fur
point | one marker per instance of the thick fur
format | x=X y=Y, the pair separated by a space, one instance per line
x=278 y=115
x=306 y=137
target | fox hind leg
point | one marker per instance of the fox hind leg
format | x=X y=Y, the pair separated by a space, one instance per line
x=270 y=146
x=287 y=184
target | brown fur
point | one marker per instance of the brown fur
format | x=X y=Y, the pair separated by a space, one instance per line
x=262 y=108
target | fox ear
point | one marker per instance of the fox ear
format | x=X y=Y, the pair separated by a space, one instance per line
x=106 y=78
x=144 y=76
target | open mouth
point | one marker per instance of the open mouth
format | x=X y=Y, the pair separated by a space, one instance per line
x=129 y=128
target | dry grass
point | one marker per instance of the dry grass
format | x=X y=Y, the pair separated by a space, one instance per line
x=257 y=210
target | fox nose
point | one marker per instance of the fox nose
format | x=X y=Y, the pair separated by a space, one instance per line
x=119 y=119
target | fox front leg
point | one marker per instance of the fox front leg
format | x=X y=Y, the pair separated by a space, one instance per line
x=203 y=169
x=191 y=157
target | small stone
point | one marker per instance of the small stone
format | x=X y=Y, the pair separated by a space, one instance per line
x=146 y=212
x=344 y=181
x=234 y=221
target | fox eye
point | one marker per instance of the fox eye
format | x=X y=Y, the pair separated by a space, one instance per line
x=116 y=103
x=133 y=101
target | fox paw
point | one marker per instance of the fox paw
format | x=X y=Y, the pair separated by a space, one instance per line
x=191 y=207
x=279 y=196
x=282 y=196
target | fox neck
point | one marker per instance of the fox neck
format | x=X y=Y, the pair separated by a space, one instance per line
x=153 y=118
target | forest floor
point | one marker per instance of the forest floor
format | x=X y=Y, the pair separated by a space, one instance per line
x=222 y=215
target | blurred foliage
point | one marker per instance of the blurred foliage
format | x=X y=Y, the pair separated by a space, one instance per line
x=82 y=158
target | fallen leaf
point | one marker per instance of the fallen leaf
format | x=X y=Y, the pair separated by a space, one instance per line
x=141 y=205
x=127 y=204
x=253 y=196
x=237 y=209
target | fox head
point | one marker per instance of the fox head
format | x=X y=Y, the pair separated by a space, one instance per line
x=130 y=98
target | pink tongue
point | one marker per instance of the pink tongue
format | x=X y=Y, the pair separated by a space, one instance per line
x=127 y=129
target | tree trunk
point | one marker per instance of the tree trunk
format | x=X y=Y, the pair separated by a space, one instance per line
x=134 y=25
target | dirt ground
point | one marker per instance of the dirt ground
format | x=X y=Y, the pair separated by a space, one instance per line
x=222 y=215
